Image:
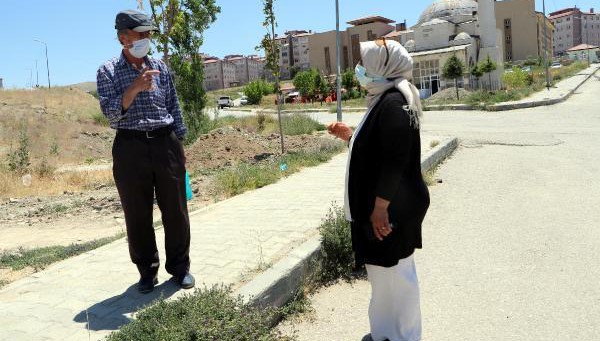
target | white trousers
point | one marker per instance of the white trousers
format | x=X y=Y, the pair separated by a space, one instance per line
x=395 y=310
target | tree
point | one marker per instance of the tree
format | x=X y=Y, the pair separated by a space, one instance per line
x=488 y=66
x=477 y=73
x=349 y=81
x=454 y=69
x=321 y=86
x=181 y=24
x=304 y=82
x=271 y=48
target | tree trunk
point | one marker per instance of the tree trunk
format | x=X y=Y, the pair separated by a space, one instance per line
x=490 y=78
x=456 y=86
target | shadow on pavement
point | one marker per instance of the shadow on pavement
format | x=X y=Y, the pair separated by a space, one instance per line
x=110 y=314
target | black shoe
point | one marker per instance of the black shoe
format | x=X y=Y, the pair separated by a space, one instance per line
x=146 y=285
x=186 y=281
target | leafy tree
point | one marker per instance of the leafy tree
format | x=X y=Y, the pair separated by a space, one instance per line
x=349 y=81
x=271 y=48
x=321 y=86
x=294 y=71
x=256 y=89
x=488 y=66
x=454 y=69
x=476 y=72
x=181 y=24
x=304 y=82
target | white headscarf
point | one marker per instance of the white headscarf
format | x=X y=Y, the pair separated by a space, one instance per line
x=397 y=71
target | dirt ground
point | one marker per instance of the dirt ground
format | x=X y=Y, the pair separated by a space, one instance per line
x=37 y=221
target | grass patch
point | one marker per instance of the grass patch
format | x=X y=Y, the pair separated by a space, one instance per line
x=208 y=314
x=40 y=258
x=100 y=119
x=244 y=177
x=434 y=143
x=292 y=124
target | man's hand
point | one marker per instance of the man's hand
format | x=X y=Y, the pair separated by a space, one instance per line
x=380 y=219
x=340 y=130
x=143 y=82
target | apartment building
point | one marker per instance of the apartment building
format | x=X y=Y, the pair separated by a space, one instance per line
x=573 y=27
x=219 y=74
x=293 y=52
x=233 y=70
x=523 y=29
x=247 y=68
x=322 y=46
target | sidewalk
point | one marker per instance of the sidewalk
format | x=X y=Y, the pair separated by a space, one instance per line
x=95 y=292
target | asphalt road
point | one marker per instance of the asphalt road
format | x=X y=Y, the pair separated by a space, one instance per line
x=512 y=238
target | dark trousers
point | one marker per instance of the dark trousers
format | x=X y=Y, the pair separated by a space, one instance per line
x=144 y=166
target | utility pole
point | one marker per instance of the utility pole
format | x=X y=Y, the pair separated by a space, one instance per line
x=37 y=76
x=546 y=46
x=338 y=61
x=47 y=65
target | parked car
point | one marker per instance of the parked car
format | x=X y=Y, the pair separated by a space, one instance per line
x=556 y=65
x=224 y=101
x=526 y=69
x=244 y=100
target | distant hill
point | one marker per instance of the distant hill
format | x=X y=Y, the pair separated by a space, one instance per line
x=85 y=86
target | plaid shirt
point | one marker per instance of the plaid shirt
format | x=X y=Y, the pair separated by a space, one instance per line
x=150 y=109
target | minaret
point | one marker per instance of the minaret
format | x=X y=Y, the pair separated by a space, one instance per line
x=491 y=41
x=487 y=22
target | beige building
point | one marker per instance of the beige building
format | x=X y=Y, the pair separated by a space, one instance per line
x=322 y=46
x=219 y=74
x=293 y=52
x=247 y=68
x=584 y=52
x=522 y=29
x=574 y=27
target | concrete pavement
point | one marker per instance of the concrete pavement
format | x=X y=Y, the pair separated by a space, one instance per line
x=511 y=238
x=88 y=296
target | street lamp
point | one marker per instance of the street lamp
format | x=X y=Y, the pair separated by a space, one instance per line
x=338 y=61
x=546 y=46
x=47 y=65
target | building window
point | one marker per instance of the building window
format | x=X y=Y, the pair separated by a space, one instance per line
x=327 y=61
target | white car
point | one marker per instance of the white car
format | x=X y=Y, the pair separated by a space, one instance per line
x=244 y=100
x=556 y=65
x=224 y=101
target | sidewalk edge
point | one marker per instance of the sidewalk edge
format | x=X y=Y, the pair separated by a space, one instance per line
x=277 y=285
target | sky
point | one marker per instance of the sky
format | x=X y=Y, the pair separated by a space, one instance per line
x=80 y=34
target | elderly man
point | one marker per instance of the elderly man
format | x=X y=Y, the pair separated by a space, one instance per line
x=138 y=97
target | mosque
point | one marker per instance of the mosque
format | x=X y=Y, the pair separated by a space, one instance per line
x=465 y=28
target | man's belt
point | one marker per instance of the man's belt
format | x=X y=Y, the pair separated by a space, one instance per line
x=148 y=134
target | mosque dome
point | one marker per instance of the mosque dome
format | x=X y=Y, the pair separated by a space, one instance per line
x=449 y=10
x=462 y=36
x=410 y=45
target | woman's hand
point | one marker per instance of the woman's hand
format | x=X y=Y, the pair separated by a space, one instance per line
x=340 y=130
x=380 y=219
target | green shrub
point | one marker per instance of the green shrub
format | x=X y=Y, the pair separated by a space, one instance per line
x=298 y=124
x=100 y=119
x=255 y=90
x=337 y=257
x=18 y=160
x=515 y=79
x=44 y=169
x=208 y=314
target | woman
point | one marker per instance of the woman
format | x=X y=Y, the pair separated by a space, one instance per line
x=386 y=198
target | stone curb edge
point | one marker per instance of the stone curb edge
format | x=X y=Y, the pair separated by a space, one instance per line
x=277 y=285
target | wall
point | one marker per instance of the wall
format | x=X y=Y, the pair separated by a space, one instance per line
x=521 y=35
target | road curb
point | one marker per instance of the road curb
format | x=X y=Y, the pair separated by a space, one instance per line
x=277 y=285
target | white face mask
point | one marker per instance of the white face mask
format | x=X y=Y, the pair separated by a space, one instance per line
x=140 y=48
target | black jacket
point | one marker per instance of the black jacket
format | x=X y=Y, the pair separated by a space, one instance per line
x=386 y=163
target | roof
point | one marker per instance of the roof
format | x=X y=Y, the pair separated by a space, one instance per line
x=444 y=50
x=435 y=21
x=582 y=47
x=397 y=33
x=210 y=61
x=448 y=9
x=370 y=19
x=560 y=15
